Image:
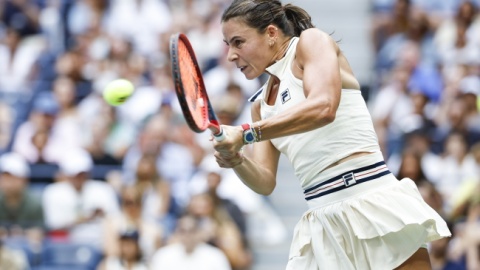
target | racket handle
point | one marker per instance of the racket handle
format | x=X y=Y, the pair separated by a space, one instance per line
x=220 y=136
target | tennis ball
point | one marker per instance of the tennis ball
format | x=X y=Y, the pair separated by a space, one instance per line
x=118 y=91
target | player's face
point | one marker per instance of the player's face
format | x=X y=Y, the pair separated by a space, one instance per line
x=247 y=48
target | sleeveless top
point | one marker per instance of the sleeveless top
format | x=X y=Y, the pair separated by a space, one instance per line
x=311 y=152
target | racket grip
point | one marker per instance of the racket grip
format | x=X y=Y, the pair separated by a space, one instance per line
x=220 y=136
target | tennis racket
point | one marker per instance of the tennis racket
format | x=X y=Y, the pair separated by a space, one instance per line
x=190 y=88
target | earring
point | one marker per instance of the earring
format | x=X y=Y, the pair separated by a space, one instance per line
x=270 y=43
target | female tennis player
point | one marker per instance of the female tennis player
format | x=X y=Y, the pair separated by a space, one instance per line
x=360 y=216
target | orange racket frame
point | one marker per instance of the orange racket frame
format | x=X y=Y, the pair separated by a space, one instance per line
x=190 y=88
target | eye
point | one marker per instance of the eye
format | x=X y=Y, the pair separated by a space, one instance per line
x=238 y=43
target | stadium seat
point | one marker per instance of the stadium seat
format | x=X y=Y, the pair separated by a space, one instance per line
x=99 y=172
x=43 y=173
x=68 y=255
x=61 y=267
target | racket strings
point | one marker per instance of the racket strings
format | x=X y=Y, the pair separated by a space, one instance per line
x=191 y=80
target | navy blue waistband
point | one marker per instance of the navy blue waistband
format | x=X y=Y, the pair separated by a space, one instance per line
x=347 y=179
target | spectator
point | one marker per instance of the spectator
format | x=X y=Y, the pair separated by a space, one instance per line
x=140 y=21
x=214 y=180
x=411 y=166
x=457 y=167
x=85 y=15
x=456 y=36
x=76 y=206
x=419 y=144
x=387 y=24
x=264 y=225
x=469 y=87
x=173 y=160
x=457 y=118
x=40 y=142
x=130 y=218
x=229 y=106
x=183 y=135
x=219 y=229
x=206 y=40
x=21 y=15
x=42 y=119
x=469 y=190
x=154 y=190
x=189 y=251
x=130 y=254
x=107 y=139
x=211 y=179
x=17 y=61
x=52 y=28
x=21 y=213
x=391 y=105
x=413 y=45
x=67 y=122
x=432 y=197
x=72 y=64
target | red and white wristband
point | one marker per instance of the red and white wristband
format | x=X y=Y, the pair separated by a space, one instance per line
x=250 y=134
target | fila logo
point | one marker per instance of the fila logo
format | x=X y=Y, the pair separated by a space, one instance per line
x=349 y=179
x=285 y=96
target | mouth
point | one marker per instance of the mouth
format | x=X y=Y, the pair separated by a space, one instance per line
x=242 y=68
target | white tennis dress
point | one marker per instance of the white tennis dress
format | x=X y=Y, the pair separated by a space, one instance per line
x=360 y=216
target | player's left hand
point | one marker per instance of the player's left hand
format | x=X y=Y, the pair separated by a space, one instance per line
x=233 y=143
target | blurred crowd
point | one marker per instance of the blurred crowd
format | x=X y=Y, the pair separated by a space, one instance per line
x=425 y=106
x=85 y=185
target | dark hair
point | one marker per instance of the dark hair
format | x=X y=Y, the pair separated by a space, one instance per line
x=258 y=14
x=135 y=236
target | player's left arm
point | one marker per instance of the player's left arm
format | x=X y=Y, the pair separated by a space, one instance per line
x=317 y=61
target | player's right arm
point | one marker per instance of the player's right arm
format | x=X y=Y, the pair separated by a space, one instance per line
x=259 y=168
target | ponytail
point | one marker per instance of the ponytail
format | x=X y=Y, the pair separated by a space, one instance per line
x=299 y=19
x=258 y=14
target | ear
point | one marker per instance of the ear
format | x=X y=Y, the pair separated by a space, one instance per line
x=272 y=31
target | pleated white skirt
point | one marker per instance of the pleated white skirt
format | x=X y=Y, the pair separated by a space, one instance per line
x=374 y=225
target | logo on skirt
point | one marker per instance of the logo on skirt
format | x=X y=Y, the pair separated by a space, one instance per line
x=349 y=179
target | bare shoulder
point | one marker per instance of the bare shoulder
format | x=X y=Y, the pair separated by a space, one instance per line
x=315 y=44
x=318 y=48
x=314 y=37
x=313 y=33
x=311 y=40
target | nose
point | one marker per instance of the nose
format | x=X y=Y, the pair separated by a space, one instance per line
x=231 y=55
